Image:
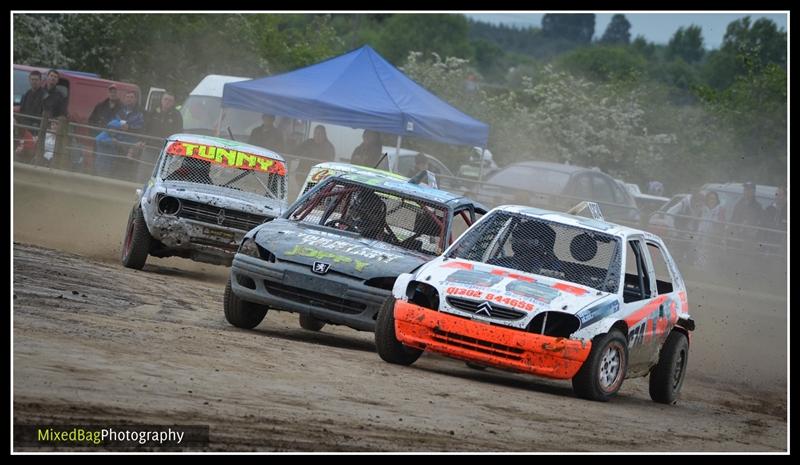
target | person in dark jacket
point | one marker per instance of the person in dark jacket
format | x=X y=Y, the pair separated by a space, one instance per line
x=748 y=212
x=162 y=122
x=165 y=120
x=104 y=111
x=54 y=103
x=31 y=103
x=369 y=151
x=315 y=150
x=267 y=135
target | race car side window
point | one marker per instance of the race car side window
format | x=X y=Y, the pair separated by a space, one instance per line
x=637 y=281
x=663 y=276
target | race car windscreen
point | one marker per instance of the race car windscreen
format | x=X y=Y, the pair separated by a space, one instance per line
x=531 y=245
x=387 y=216
x=265 y=180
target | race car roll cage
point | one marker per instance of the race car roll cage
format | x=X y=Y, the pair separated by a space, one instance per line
x=345 y=193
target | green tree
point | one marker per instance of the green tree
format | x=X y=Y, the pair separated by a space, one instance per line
x=687 y=44
x=604 y=63
x=746 y=48
x=572 y=26
x=288 y=42
x=645 y=48
x=676 y=73
x=618 y=31
x=39 y=41
x=552 y=116
x=762 y=43
x=488 y=57
x=755 y=105
x=445 y=34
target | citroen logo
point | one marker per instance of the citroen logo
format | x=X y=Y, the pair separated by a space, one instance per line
x=320 y=267
x=221 y=216
x=485 y=307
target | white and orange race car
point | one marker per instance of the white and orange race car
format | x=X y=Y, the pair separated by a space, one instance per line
x=551 y=294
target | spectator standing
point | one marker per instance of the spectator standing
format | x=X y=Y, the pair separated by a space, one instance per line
x=295 y=137
x=712 y=214
x=31 y=103
x=267 y=135
x=318 y=149
x=420 y=173
x=129 y=119
x=162 y=122
x=711 y=226
x=165 y=120
x=106 y=110
x=748 y=214
x=368 y=153
x=54 y=103
x=102 y=114
x=747 y=210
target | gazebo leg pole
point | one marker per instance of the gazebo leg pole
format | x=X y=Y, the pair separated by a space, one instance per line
x=396 y=152
x=480 y=170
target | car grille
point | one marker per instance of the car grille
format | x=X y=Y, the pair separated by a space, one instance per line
x=497 y=311
x=478 y=345
x=207 y=214
x=308 y=297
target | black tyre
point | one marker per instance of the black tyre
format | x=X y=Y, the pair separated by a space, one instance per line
x=240 y=313
x=389 y=348
x=137 y=242
x=666 y=378
x=310 y=323
x=602 y=373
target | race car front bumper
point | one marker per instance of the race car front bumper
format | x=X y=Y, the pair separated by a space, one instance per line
x=475 y=341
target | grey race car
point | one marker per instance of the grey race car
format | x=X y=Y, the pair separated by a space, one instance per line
x=334 y=255
x=204 y=195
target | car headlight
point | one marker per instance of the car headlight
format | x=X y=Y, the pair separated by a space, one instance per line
x=249 y=247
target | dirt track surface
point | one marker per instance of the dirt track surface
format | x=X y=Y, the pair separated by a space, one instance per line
x=153 y=346
x=98 y=343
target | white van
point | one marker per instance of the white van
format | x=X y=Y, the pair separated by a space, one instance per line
x=202 y=111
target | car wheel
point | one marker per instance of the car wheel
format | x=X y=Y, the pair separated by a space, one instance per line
x=310 y=323
x=601 y=375
x=137 y=242
x=389 y=348
x=666 y=378
x=240 y=313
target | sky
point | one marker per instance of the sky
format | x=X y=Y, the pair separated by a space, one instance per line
x=655 y=27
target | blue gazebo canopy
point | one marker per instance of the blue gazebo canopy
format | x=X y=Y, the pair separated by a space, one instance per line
x=359 y=89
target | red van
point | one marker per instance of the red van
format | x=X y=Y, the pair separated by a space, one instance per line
x=83 y=92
